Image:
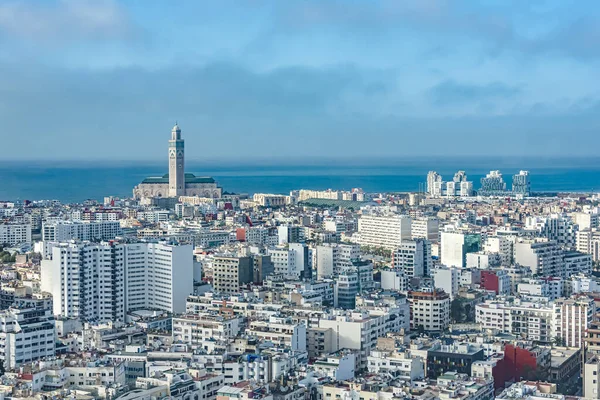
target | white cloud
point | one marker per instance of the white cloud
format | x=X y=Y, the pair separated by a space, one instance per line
x=63 y=20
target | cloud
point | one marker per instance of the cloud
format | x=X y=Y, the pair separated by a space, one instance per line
x=450 y=92
x=573 y=32
x=221 y=90
x=69 y=20
x=228 y=110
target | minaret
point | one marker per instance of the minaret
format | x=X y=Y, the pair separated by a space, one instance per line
x=176 y=166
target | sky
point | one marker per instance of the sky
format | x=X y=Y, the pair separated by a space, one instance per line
x=107 y=79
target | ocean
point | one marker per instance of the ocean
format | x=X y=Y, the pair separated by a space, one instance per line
x=76 y=181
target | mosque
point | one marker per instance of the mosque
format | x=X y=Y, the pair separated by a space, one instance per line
x=177 y=183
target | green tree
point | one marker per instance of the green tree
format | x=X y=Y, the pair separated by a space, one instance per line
x=468 y=316
x=456 y=310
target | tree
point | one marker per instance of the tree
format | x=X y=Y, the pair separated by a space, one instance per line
x=558 y=341
x=468 y=313
x=456 y=310
x=420 y=329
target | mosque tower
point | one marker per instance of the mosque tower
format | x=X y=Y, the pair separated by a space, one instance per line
x=176 y=163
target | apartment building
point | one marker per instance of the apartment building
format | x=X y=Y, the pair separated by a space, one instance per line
x=359 y=330
x=447 y=279
x=281 y=331
x=455 y=246
x=571 y=319
x=64 y=231
x=520 y=318
x=291 y=260
x=426 y=228
x=104 y=281
x=203 y=330
x=413 y=257
x=386 y=231
x=12 y=233
x=398 y=364
x=230 y=272
x=544 y=257
x=27 y=331
x=431 y=310
x=331 y=258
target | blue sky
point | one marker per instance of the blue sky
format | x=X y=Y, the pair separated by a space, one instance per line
x=288 y=79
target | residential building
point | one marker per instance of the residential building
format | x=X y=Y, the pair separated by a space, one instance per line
x=397 y=364
x=64 y=231
x=521 y=184
x=571 y=319
x=457 y=357
x=104 y=281
x=447 y=279
x=544 y=257
x=430 y=310
x=280 y=331
x=386 y=231
x=426 y=228
x=497 y=281
x=413 y=257
x=360 y=329
x=455 y=246
x=230 y=272
x=12 y=233
x=27 y=331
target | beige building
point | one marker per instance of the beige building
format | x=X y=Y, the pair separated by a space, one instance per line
x=177 y=183
x=229 y=272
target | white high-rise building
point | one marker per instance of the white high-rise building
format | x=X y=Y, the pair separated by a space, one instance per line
x=434 y=184
x=431 y=310
x=501 y=245
x=543 y=257
x=27 y=331
x=557 y=227
x=63 y=231
x=448 y=279
x=331 y=258
x=15 y=233
x=384 y=231
x=571 y=319
x=291 y=261
x=426 y=228
x=588 y=241
x=587 y=220
x=102 y=282
x=413 y=257
x=455 y=246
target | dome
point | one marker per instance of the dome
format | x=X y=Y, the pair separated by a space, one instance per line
x=176 y=128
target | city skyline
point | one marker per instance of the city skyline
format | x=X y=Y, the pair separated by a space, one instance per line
x=102 y=80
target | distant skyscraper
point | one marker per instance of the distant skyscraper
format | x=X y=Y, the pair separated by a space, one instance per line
x=460 y=176
x=434 y=183
x=521 y=184
x=492 y=185
x=176 y=160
